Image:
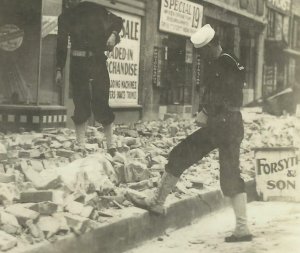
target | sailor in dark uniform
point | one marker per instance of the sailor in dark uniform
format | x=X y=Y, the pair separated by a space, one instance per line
x=92 y=31
x=222 y=128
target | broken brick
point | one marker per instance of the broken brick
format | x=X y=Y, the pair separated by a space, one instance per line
x=120 y=158
x=3 y=152
x=10 y=169
x=8 y=192
x=67 y=144
x=58 y=197
x=22 y=165
x=48 y=154
x=55 y=144
x=47 y=179
x=21 y=213
x=159 y=160
x=63 y=225
x=37 y=165
x=75 y=156
x=36 y=196
x=173 y=130
x=46 y=165
x=130 y=141
x=9 y=223
x=76 y=222
x=87 y=211
x=33 y=153
x=64 y=153
x=6 y=178
x=45 y=208
x=136 y=171
x=142 y=185
x=2 y=170
x=49 y=225
x=74 y=207
x=34 y=230
x=92 y=147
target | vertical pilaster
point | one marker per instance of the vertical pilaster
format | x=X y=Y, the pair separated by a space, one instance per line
x=259 y=64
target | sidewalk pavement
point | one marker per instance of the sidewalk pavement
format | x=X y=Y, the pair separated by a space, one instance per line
x=275 y=226
x=134 y=226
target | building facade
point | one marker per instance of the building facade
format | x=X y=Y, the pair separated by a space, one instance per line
x=29 y=97
x=175 y=70
x=155 y=69
x=277 y=47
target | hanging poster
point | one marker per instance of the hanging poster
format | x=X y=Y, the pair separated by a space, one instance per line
x=123 y=63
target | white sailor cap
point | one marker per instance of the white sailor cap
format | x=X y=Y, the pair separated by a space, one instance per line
x=203 y=36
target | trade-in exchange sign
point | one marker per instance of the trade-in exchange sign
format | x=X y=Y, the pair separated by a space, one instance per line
x=180 y=17
x=123 y=63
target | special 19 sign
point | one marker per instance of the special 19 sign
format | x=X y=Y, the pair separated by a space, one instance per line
x=180 y=17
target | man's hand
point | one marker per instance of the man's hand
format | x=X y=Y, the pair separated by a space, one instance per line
x=58 y=77
x=111 y=42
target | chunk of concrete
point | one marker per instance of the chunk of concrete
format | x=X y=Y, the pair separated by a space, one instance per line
x=7 y=241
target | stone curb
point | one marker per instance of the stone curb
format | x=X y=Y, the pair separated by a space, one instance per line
x=137 y=226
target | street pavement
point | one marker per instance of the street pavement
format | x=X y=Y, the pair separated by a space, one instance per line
x=275 y=226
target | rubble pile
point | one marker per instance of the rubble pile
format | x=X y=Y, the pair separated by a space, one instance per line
x=50 y=187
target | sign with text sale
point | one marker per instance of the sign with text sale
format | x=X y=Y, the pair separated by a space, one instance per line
x=123 y=63
x=277 y=173
x=180 y=17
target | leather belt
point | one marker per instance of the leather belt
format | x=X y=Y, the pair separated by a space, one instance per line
x=81 y=53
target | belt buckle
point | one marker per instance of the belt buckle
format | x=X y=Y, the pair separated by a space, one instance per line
x=78 y=53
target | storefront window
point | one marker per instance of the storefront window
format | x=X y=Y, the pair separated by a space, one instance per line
x=27 y=52
x=247 y=58
x=20 y=26
x=270 y=78
x=225 y=33
x=296 y=33
x=271 y=24
x=177 y=87
x=49 y=92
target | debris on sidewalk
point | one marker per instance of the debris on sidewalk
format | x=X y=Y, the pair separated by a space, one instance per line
x=49 y=186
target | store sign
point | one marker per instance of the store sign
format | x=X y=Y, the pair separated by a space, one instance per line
x=277 y=174
x=282 y=5
x=180 y=17
x=11 y=37
x=123 y=63
x=157 y=66
x=198 y=71
x=269 y=78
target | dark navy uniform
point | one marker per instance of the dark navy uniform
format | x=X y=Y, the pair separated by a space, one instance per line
x=222 y=99
x=88 y=25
